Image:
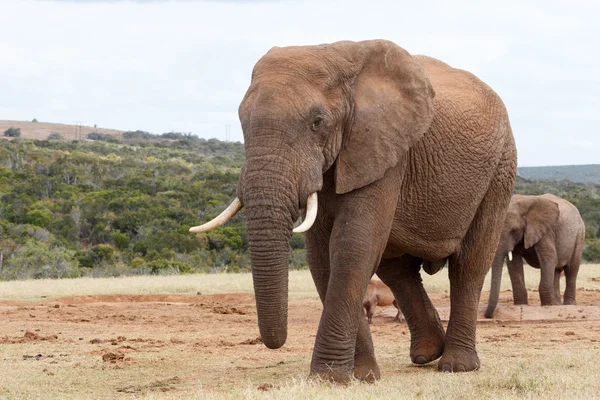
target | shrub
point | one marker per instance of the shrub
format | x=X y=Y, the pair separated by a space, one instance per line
x=591 y=251
x=38 y=260
x=41 y=217
x=55 y=136
x=34 y=120
x=120 y=239
x=12 y=132
x=103 y=137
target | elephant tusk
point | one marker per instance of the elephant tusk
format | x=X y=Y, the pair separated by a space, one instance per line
x=510 y=256
x=221 y=219
x=311 y=214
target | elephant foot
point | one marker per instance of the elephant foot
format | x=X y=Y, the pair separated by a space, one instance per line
x=341 y=377
x=570 y=302
x=423 y=351
x=455 y=360
x=366 y=370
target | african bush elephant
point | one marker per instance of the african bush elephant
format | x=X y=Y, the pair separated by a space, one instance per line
x=549 y=233
x=406 y=159
x=378 y=294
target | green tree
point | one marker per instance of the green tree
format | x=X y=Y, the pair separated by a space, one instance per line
x=12 y=132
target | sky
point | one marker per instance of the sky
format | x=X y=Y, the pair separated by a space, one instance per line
x=184 y=66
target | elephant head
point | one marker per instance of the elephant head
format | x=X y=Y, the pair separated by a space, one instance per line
x=356 y=107
x=528 y=219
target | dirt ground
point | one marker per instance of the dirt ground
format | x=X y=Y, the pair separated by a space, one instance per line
x=155 y=345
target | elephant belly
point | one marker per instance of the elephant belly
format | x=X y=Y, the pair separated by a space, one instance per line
x=447 y=176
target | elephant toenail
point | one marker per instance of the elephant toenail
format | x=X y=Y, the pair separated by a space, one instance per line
x=460 y=368
x=446 y=368
x=421 y=360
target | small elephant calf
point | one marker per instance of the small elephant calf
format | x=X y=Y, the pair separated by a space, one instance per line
x=378 y=294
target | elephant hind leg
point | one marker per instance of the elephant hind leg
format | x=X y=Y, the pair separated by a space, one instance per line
x=426 y=331
x=557 y=273
x=467 y=271
x=571 y=272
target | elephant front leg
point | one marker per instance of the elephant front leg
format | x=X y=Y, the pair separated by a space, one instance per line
x=343 y=346
x=317 y=247
x=548 y=259
x=339 y=339
x=426 y=331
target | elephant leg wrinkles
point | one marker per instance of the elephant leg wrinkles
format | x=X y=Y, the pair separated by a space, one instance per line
x=402 y=275
x=467 y=271
x=571 y=278
x=317 y=251
x=546 y=252
x=343 y=346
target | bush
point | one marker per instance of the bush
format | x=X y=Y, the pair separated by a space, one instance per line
x=138 y=135
x=34 y=120
x=55 y=136
x=591 y=251
x=12 y=132
x=103 y=137
x=38 y=260
x=120 y=239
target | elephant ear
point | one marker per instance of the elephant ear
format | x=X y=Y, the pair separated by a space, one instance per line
x=541 y=217
x=392 y=109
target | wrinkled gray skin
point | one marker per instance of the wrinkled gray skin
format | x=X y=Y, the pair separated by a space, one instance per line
x=549 y=233
x=412 y=160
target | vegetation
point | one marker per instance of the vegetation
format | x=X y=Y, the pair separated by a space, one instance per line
x=107 y=207
x=12 y=132
x=55 y=136
x=576 y=173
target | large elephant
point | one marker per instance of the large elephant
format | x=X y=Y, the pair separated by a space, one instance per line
x=407 y=159
x=549 y=233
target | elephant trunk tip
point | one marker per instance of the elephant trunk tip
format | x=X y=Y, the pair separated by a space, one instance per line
x=489 y=313
x=274 y=342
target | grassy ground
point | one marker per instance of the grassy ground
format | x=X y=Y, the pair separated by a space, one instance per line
x=190 y=346
x=300 y=284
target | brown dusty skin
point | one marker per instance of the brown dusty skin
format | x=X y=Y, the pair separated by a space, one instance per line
x=149 y=344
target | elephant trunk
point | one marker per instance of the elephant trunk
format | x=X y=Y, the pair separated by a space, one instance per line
x=497 y=265
x=271 y=209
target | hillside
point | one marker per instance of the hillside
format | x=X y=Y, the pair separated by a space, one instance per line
x=123 y=205
x=41 y=130
x=576 y=173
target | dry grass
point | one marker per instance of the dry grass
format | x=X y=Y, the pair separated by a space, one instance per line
x=300 y=284
x=41 y=130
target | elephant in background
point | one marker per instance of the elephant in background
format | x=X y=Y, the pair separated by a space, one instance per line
x=549 y=233
x=396 y=160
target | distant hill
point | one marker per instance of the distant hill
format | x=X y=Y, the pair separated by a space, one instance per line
x=576 y=173
x=41 y=130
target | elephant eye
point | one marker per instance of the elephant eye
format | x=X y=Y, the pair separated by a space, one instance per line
x=317 y=122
